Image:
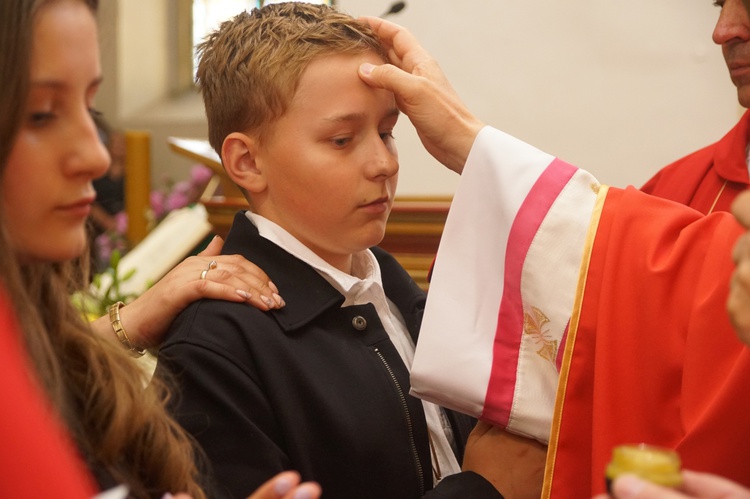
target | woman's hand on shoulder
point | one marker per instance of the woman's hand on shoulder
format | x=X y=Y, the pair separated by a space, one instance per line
x=206 y=275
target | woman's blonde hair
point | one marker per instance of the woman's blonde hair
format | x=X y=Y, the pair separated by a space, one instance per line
x=121 y=429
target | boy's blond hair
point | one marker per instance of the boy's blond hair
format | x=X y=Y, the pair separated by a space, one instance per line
x=250 y=67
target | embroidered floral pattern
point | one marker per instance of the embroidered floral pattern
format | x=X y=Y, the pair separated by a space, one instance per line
x=533 y=324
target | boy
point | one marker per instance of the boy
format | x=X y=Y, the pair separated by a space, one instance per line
x=322 y=385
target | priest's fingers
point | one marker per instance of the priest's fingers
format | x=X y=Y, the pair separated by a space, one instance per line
x=445 y=126
x=403 y=48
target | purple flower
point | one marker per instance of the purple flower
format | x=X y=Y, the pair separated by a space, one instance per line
x=158 y=203
x=200 y=175
x=179 y=198
x=121 y=222
x=104 y=246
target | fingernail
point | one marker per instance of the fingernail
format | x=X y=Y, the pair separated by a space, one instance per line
x=279 y=299
x=366 y=68
x=628 y=486
x=283 y=485
x=243 y=294
x=303 y=493
x=267 y=301
x=273 y=287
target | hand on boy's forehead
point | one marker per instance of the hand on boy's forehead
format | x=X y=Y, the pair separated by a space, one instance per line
x=333 y=82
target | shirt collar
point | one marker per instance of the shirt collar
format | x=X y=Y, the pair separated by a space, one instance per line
x=365 y=267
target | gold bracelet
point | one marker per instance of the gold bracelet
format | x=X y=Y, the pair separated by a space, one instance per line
x=114 y=318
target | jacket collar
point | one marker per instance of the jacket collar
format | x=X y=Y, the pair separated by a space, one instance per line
x=306 y=293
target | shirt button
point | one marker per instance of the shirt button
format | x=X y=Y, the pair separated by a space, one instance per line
x=359 y=323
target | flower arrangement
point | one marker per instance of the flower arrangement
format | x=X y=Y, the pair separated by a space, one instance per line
x=105 y=290
x=175 y=195
x=112 y=244
x=169 y=196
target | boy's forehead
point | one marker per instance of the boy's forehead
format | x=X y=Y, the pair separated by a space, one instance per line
x=341 y=64
x=332 y=84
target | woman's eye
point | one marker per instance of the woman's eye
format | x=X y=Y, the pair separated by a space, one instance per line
x=41 y=118
x=341 y=142
x=386 y=135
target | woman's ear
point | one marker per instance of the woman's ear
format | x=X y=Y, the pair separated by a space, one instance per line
x=238 y=156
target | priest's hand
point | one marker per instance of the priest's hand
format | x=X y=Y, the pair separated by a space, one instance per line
x=444 y=124
x=513 y=464
x=695 y=486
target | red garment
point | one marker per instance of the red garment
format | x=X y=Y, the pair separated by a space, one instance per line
x=651 y=355
x=37 y=459
x=710 y=178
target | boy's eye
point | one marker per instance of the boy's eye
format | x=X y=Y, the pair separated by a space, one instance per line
x=387 y=135
x=340 y=141
x=719 y=3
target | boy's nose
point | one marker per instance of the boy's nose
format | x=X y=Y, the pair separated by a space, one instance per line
x=385 y=159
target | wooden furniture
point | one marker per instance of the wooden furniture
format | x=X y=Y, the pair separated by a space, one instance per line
x=412 y=234
x=137 y=183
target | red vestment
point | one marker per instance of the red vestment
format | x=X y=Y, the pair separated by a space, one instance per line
x=638 y=282
x=709 y=179
x=651 y=355
x=37 y=458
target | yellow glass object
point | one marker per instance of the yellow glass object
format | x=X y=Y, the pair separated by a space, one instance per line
x=655 y=464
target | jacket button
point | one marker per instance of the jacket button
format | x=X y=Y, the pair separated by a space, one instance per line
x=359 y=323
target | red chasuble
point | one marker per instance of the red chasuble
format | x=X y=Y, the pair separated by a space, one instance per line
x=651 y=355
x=37 y=458
x=709 y=179
x=631 y=287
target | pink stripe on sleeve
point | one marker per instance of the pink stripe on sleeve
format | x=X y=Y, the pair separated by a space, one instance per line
x=533 y=210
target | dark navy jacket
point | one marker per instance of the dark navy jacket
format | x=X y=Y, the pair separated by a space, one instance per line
x=312 y=387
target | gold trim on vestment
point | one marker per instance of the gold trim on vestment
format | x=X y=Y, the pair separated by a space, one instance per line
x=570 y=341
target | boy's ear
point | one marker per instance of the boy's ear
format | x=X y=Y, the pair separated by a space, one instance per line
x=238 y=155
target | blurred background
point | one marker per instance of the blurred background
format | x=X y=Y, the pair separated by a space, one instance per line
x=619 y=88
